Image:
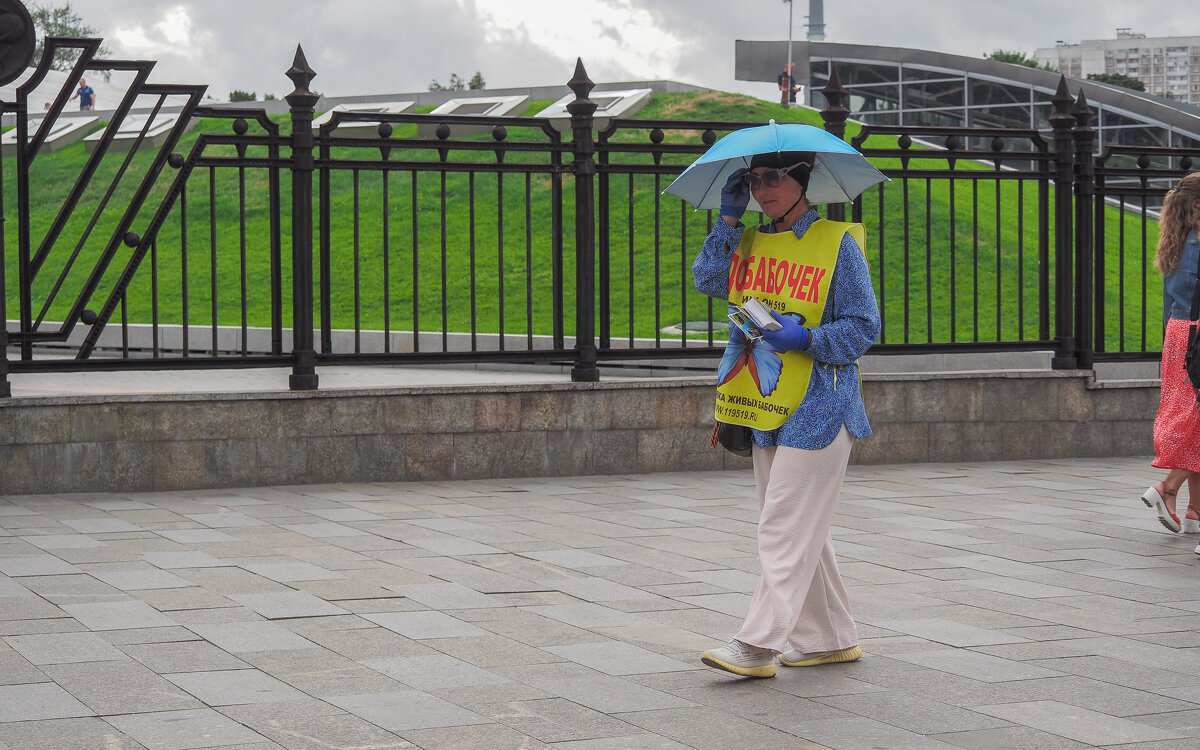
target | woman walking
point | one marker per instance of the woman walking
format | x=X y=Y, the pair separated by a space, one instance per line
x=813 y=277
x=1177 y=425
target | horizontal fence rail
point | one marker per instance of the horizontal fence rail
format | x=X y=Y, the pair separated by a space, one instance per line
x=261 y=242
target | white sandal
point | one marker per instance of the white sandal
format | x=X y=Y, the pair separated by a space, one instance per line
x=1168 y=519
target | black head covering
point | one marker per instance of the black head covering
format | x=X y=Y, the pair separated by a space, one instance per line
x=781 y=159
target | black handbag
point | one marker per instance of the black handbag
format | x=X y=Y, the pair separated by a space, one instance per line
x=734 y=438
x=1191 y=359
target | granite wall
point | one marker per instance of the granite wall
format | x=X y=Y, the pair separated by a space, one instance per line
x=176 y=442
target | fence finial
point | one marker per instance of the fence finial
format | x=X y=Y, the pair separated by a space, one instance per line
x=301 y=75
x=1061 y=100
x=1082 y=112
x=835 y=113
x=580 y=83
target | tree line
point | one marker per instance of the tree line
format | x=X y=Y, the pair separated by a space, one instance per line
x=1020 y=58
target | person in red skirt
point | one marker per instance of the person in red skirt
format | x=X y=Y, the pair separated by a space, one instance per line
x=1177 y=425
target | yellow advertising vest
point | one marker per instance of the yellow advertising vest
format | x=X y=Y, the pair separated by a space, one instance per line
x=757 y=386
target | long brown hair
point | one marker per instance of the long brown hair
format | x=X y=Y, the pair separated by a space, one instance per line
x=1180 y=215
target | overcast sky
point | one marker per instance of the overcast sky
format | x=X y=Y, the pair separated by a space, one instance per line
x=363 y=47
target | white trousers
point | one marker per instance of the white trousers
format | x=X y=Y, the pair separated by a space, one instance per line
x=800 y=599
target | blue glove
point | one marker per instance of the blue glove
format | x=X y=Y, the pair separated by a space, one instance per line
x=791 y=336
x=735 y=196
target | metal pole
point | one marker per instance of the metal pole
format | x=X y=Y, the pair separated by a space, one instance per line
x=1064 y=239
x=302 y=102
x=584 y=169
x=25 y=268
x=791 y=80
x=835 y=115
x=5 y=386
x=1085 y=191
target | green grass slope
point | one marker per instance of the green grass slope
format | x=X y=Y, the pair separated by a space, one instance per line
x=953 y=260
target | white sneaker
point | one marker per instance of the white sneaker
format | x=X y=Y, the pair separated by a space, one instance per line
x=797 y=658
x=741 y=659
x=1198 y=549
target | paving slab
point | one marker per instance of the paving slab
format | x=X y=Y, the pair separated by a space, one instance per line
x=234 y=687
x=183 y=730
x=187 y=657
x=43 y=700
x=292 y=572
x=555 y=720
x=1079 y=724
x=321 y=673
x=237 y=637
x=699 y=728
x=119 y=687
x=63 y=648
x=10 y=589
x=52 y=542
x=425 y=624
x=287 y=604
x=1009 y=738
x=976 y=666
x=42 y=565
x=1003 y=605
x=65 y=734
x=405 y=709
x=319 y=732
x=630 y=742
x=613 y=658
x=435 y=672
x=447 y=596
x=117 y=615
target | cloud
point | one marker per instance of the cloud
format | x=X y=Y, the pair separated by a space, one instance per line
x=398 y=46
x=610 y=32
x=173 y=34
x=384 y=46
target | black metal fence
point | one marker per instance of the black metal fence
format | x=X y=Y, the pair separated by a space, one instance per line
x=447 y=239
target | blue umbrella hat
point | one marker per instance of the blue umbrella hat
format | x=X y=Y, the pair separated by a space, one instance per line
x=839 y=172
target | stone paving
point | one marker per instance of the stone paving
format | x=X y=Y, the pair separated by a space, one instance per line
x=1011 y=605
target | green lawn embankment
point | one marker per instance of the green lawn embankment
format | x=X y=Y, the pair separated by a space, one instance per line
x=960 y=258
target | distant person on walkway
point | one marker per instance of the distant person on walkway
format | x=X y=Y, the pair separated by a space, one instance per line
x=85 y=95
x=1177 y=426
x=800 y=613
x=787 y=84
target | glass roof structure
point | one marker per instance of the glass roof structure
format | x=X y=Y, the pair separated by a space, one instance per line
x=901 y=86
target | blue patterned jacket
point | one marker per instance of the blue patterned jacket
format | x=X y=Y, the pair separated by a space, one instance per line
x=849 y=325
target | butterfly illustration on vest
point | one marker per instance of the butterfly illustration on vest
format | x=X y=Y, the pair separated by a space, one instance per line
x=759 y=359
x=756 y=357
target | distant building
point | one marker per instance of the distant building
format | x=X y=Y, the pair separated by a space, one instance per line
x=1168 y=66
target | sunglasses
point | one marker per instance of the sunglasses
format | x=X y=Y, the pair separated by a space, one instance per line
x=769 y=178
